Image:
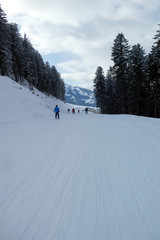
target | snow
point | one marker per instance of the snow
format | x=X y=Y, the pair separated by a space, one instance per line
x=85 y=176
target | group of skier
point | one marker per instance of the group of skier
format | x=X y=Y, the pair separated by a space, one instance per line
x=57 y=111
x=73 y=110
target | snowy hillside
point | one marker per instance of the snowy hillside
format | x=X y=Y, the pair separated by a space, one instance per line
x=18 y=103
x=79 y=96
x=83 y=177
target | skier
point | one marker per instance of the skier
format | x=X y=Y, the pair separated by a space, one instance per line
x=73 y=110
x=86 y=110
x=56 y=110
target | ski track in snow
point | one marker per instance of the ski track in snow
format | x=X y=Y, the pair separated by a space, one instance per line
x=85 y=176
x=58 y=183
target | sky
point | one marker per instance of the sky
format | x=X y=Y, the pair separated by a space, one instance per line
x=77 y=36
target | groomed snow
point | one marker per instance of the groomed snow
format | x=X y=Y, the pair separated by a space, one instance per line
x=83 y=177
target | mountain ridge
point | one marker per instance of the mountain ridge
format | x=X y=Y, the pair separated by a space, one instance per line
x=79 y=96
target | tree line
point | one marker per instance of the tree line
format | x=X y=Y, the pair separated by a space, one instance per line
x=20 y=61
x=132 y=84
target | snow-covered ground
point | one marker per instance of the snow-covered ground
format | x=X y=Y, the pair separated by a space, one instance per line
x=83 y=177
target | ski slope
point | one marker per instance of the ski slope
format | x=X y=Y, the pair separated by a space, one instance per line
x=83 y=177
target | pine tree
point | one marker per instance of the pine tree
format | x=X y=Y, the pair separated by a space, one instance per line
x=40 y=68
x=57 y=84
x=55 y=81
x=5 y=53
x=19 y=60
x=29 y=62
x=99 y=89
x=156 y=80
x=17 y=52
x=120 y=53
x=111 y=106
x=62 y=90
x=136 y=77
x=151 y=70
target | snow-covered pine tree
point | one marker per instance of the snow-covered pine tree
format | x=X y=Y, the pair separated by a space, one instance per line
x=99 y=89
x=120 y=53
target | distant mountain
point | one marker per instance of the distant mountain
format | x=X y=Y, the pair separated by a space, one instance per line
x=79 y=96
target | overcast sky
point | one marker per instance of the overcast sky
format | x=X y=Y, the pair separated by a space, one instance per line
x=77 y=35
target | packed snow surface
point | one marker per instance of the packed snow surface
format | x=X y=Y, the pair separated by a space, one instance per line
x=83 y=177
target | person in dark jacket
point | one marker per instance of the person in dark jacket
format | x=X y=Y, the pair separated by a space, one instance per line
x=56 y=110
x=86 y=110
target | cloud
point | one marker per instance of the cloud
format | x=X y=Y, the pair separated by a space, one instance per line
x=85 y=30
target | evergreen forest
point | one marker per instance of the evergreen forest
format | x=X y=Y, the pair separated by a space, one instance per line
x=20 y=61
x=132 y=84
